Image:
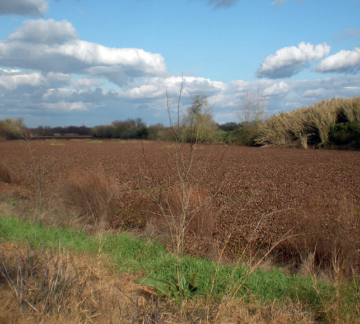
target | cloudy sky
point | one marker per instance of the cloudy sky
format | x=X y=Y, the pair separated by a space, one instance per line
x=69 y=62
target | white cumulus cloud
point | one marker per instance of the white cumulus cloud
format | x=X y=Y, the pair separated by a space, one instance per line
x=314 y=93
x=11 y=81
x=65 y=106
x=44 y=31
x=34 y=8
x=156 y=87
x=50 y=46
x=277 y=89
x=343 y=61
x=289 y=61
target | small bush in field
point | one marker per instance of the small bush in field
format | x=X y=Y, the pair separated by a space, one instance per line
x=4 y=174
x=92 y=196
x=195 y=203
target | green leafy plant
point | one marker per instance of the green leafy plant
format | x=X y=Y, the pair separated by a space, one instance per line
x=12 y=201
x=178 y=288
x=345 y=134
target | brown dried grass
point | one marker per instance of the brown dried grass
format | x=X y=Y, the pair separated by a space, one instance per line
x=300 y=124
x=55 y=286
x=91 y=196
x=193 y=202
x=5 y=175
x=328 y=230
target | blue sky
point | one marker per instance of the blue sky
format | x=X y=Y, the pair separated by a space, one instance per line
x=70 y=62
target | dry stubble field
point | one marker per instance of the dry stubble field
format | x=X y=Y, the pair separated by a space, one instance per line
x=311 y=196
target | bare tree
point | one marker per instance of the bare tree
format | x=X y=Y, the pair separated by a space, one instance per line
x=252 y=107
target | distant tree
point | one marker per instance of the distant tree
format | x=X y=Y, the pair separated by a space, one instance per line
x=252 y=107
x=199 y=122
x=228 y=127
x=154 y=131
x=124 y=129
x=13 y=128
x=251 y=113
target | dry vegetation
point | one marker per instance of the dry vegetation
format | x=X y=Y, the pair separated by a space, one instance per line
x=90 y=197
x=245 y=200
x=315 y=194
x=55 y=286
x=5 y=175
x=309 y=125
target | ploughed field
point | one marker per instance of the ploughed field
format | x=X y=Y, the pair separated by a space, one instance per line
x=260 y=194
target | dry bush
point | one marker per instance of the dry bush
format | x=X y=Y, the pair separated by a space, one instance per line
x=91 y=196
x=327 y=230
x=200 y=214
x=5 y=175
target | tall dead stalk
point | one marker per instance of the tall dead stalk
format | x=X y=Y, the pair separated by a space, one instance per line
x=182 y=203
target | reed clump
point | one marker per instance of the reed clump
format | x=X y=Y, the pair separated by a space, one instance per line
x=309 y=125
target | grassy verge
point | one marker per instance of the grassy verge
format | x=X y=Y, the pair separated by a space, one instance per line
x=150 y=260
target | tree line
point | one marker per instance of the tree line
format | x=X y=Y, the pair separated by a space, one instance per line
x=334 y=122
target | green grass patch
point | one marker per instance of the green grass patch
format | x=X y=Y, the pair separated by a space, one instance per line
x=150 y=260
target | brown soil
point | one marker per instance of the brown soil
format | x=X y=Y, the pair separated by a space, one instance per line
x=264 y=192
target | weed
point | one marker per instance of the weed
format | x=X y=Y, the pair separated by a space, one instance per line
x=11 y=201
x=40 y=279
x=5 y=175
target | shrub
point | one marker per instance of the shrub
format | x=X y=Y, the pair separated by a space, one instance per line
x=328 y=228
x=92 y=197
x=5 y=175
x=247 y=134
x=12 y=128
x=193 y=203
x=345 y=134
